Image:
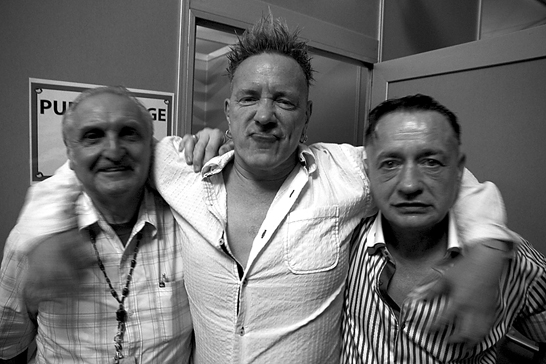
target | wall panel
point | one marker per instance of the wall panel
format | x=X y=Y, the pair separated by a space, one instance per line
x=129 y=42
x=497 y=87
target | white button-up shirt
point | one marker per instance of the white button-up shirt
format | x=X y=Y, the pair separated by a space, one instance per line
x=286 y=307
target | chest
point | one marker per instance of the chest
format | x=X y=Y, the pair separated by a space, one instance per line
x=404 y=280
x=246 y=212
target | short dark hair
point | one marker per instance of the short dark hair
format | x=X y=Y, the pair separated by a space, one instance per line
x=270 y=35
x=68 y=116
x=417 y=102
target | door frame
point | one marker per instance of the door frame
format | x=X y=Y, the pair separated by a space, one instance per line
x=523 y=45
x=320 y=35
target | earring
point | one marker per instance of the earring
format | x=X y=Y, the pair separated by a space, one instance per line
x=228 y=134
x=303 y=138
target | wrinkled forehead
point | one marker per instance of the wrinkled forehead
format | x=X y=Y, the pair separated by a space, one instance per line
x=272 y=69
x=413 y=132
x=111 y=106
x=107 y=102
x=413 y=124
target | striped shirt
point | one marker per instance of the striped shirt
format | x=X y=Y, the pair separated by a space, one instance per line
x=80 y=327
x=375 y=331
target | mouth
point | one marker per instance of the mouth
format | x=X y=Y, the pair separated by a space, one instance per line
x=114 y=169
x=264 y=137
x=412 y=207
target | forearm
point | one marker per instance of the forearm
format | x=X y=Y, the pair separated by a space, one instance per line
x=49 y=205
x=481 y=216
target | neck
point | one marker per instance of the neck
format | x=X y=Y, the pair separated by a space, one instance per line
x=259 y=180
x=418 y=244
x=119 y=210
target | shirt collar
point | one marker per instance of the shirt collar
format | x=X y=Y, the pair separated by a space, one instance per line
x=375 y=239
x=217 y=164
x=88 y=215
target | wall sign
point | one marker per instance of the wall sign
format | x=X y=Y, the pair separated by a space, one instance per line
x=50 y=99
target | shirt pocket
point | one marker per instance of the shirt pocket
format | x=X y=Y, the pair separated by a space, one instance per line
x=174 y=313
x=312 y=243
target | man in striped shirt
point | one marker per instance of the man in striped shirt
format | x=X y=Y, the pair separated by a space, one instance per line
x=415 y=167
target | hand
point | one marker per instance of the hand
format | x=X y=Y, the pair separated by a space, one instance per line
x=472 y=286
x=202 y=147
x=57 y=266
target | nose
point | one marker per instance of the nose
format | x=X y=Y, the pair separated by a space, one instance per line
x=113 y=148
x=410 y=182
x=265 y=112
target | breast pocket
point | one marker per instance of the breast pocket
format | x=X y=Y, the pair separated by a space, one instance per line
x=312 y=241
x=174 y=310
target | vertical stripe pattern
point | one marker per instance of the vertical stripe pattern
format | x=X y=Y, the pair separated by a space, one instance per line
x=372 y=333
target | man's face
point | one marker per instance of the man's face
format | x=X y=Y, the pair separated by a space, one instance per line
x=109 y=147
x=268 y=111
x=415 y=167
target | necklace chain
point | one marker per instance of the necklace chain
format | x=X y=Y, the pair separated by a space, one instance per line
x=121 y=313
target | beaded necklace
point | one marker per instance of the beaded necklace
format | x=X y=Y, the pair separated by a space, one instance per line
x=121 y=313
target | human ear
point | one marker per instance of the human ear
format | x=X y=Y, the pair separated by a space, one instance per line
x=70 y=156
x=226 y=110
x=460 y=166
x=308 y=111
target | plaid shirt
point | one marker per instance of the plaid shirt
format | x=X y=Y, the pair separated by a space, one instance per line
x=375 y=331
x=79 y=328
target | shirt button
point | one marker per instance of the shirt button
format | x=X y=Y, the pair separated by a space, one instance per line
x=242 y=331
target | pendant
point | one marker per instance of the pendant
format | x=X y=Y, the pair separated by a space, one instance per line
x=121 y=315
x=126 y=360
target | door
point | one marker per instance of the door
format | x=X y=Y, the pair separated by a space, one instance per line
x=497 y=88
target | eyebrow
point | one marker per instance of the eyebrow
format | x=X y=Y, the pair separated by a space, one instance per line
x=397 y=154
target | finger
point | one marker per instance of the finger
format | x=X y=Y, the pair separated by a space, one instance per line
x=444 y=317
x=216 y=139
x=199 y=151
x=469 y=330
x=188 y=143
x=432 y=286
x=472 y=326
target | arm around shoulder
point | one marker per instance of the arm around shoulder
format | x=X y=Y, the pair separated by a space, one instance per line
x=49 y=205
x=481 y=215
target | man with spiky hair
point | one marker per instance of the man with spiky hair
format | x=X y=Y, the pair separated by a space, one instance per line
x=268 y=224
